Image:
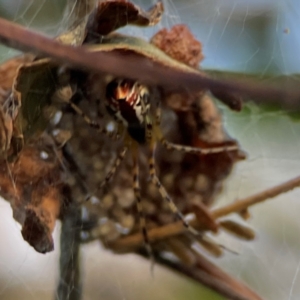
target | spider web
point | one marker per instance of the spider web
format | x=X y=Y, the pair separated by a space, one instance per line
x=257 y=36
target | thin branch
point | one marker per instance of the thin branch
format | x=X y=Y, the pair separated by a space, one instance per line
x=69 y=286
x=135 y=67
x=177 y=228
x=240 y=205
x=286 y=82
x=211 y=276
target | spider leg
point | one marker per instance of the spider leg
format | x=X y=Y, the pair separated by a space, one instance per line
x=66 y=94
x=148 y=121
x=119 y=159
x=92 y=123
x=157 y=113
x=153 y=176
x=112 y=171
x=137 y=193
x=187 y=149
x=164 y=194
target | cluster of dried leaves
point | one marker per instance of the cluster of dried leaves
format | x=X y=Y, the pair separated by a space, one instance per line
x=51 y=159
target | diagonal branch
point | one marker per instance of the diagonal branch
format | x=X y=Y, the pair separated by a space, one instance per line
x=177 y=228
x=211 y=276
x=135 y=67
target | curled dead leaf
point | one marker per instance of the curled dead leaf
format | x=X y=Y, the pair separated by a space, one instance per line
x=110 y=15
x=32 y=184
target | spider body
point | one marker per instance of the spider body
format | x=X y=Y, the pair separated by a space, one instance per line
x=128 y=102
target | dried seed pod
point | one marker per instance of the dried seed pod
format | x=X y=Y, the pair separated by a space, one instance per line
x=204 y=217
x=239 y=230
x=180 y=44
x=178 y=247
x=210 y=246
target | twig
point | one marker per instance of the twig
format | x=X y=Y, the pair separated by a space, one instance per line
x=240 y=205
x=287 y=82
x=69 y=286
x=173 y=229
x=135 y=66
x=211 y=276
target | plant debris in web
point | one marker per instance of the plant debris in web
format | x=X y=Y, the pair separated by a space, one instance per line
x=55 y=155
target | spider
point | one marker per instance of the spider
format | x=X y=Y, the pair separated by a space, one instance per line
x=129 y=103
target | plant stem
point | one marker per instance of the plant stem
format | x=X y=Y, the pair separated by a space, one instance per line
x=69 y=286
x=167 y=231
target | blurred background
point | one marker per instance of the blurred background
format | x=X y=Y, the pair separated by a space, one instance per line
x=248 y=36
